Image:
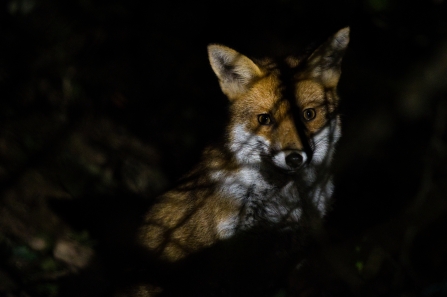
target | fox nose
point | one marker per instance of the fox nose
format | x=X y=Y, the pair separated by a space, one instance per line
x=294 y=160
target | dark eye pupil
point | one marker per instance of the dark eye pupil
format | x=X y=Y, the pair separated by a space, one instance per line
x=309 y=114
x=264 y=119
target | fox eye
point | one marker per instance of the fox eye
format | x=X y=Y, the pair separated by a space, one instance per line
x=309 y=114
x=264 y=119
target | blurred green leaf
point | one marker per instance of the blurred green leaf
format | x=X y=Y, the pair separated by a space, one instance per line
x=48 y=290
x=359 y=265
x=82 y=237
x=378 y=5
x=24 y=252
x=281 y=293
x=49 y=264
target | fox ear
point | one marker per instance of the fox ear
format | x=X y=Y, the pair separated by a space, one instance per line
x=235 y=71
x=324 y=63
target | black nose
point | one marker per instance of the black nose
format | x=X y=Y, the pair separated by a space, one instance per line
x=294 y=160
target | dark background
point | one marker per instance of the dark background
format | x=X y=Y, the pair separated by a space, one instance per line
x=104 y=104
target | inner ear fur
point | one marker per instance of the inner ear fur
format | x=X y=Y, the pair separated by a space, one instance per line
x=235 y=71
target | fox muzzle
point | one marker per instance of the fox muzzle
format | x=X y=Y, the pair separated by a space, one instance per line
x=289 y=160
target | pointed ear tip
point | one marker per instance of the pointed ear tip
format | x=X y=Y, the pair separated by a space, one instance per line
x=218 y=49
x=342 y=37
x=212 y=47
x=344 y=33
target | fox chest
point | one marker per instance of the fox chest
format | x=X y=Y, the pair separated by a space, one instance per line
x=261 y=203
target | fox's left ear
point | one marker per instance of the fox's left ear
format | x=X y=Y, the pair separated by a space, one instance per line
x=324 y=63
x=235 y=71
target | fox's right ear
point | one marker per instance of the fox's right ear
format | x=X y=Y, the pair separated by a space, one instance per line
x=235 y=71
x=324 y=63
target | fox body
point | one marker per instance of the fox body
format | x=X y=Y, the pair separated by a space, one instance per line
x=265 y=182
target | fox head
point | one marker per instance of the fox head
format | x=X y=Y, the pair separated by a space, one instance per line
x=282 y=112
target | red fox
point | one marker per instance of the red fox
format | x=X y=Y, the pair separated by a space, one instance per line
x=235 y=220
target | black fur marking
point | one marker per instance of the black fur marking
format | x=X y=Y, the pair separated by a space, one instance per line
x=288 y=83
